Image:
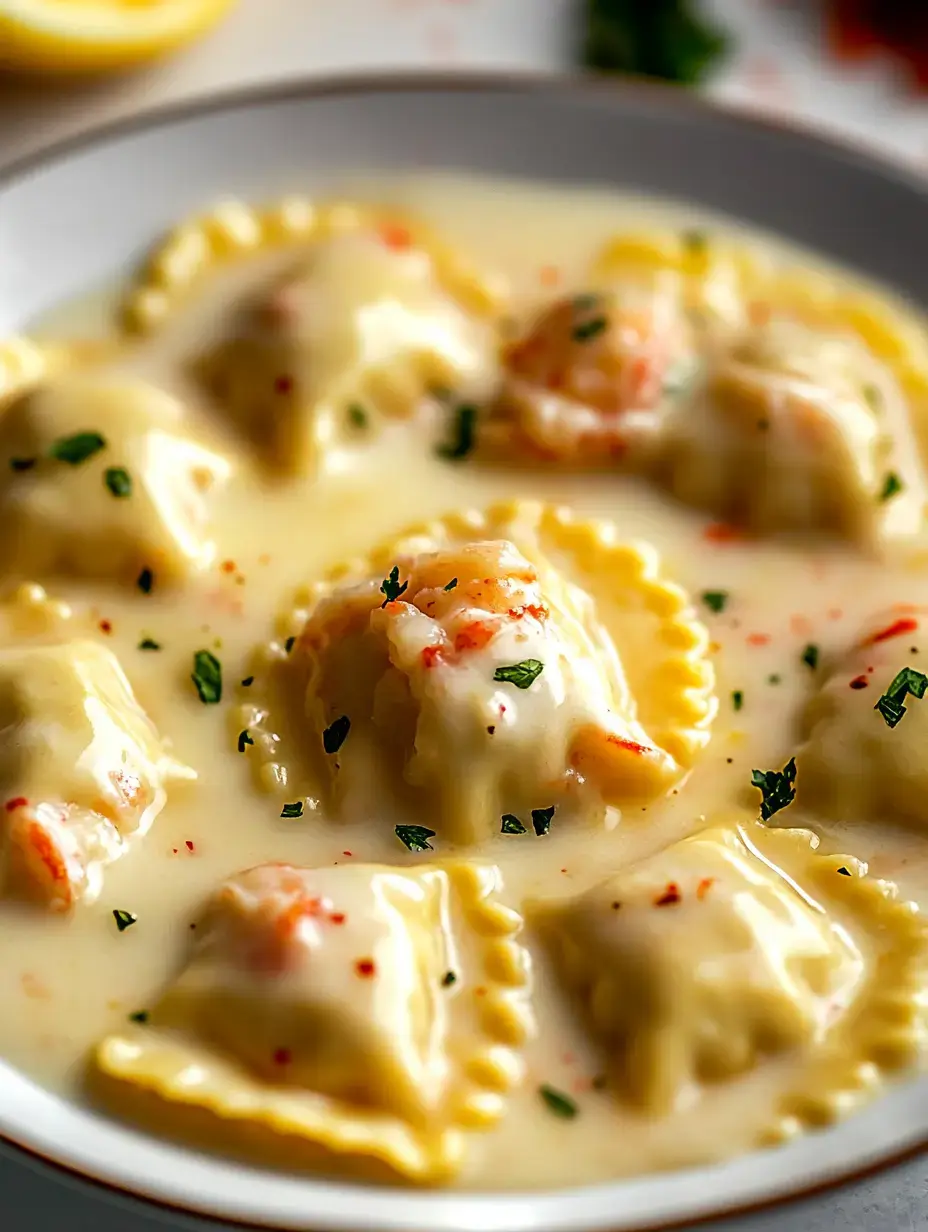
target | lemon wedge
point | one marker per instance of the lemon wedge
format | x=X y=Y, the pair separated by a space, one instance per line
x=95 y=36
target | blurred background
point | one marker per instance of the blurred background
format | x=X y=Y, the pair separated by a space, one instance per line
x=858 y=67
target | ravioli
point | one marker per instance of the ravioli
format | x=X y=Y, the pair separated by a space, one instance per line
x=795 y=429
x=360 y=332
x=733 y=948
x=84 y=772
x=101 y=479
x=855 y=761
x=460 y=673
x=335 y=1005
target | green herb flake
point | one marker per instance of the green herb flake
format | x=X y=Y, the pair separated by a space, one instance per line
x=149 y=643
x=522 y=675
x=810 y=656
x=390 y=586
x=22 y=464
x=777 y=788
x=415 y=838
x=586 y=301
x=451 y=585
x=511 y=824
x=905 y=682
x=892 y=486
x=357 y=415
x=140 y=1016
x=335 y=734
x=77 y=448
x=289 y=644
x=873 y=398
x=124 y=919
x=737 y=699
x=586 y=331
x=244 y=739
x=118 y=480
x=774 y=679
x=448 y=979
x=715 y=600
x=207 y=676
x=292 y=810
x=464 y=436
x=668 y=39
x=541 y=819
x=844 y=871
x=248 y=682
x=145 y=581
x=558 y=1103
x=695 y=241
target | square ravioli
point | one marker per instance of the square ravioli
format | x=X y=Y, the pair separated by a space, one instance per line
x=375 y=1012
x=363 y=330
x=83 y=769
x=469 y=678
x=101 y=478
x=732 y=948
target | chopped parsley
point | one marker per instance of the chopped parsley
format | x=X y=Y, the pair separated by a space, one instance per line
x=465 y=433
x=907 y=681
x=558 y=1103
x=777 y=788
x=289 y=644
x=542 y=818
x=522 y=675
x=139 y=1016
x=124 y=919
x=663 y=38
x=149 y=643
x=451 y=585
x=810 y=656
x=207 y=676
x=390 y=586
x=292 y=810
x=22 y=464
x=774 y=679
x=335 y=734
x=244 y=738
x=248 y=682
x=415 y=838
x=586 y=331
x=892 y=486
x=695 y=241
x=145 y=581
x=844 y=871
x=715 y=600
x=511 y=824
x=448 y=979
x=357 y=415
x=118 y=480
x=77 y=448
x=737 y=699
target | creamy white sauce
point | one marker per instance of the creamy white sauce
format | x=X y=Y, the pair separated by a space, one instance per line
x=67 y=981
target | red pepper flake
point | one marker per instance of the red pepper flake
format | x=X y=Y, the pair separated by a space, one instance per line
x=474 y=636
x=395 y=236
x=898 y=627
x=860 y=682
x=537 y=610
x=629 y=745
x=671 y=895
x=346 y=853
x=431 y=655
x=283 y=384
x=282 y=1056
x=365 y=968
x=722 y=532
x=15 y=803
x=228 y=566
x=704 y=887
x=337 y=917
x=105 y=626
x=188 y=844
x=758 y=639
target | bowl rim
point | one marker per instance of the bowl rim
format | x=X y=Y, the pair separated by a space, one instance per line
x=826 y=143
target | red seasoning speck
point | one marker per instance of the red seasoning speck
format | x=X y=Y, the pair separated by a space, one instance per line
x=337 y=917
x=722 y=532
x=896 y=629
x=15 y=803
x=365 y=968
x=105 y=626
x=228 y=566
x=188 y=844
x=758 y=639
x=670 y=895
x=704 y=887
x=283 y=384
x=860 y=682
x=282 y=1056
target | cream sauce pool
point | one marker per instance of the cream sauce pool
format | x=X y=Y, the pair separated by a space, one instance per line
x=66 y=981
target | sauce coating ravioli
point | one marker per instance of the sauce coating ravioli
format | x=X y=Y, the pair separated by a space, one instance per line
x=117 y=452
x=83 y=770
x=333 y=1005
x=737 y=944
x=487 y=679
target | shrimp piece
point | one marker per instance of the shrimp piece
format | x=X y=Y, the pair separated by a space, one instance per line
x=57 y=852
